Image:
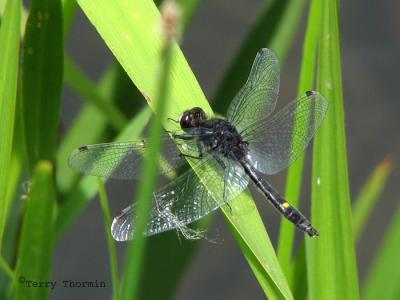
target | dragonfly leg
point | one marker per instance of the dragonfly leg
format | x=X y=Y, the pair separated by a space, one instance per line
x=191 y=156
x=185 y=137
x=172 y=120
x=230 y=208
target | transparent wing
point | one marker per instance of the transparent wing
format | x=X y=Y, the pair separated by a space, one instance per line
x=276 y=142
x=187 y=198
x=123 y=160
x=257 y=98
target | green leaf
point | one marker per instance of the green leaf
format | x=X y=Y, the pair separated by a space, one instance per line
x=12 y=207
x=295 y=172
x=298 y=274
x=115 y=87
x=248 y=229
x=176 y=258
x=110 y=242
x=81 y=83
x=69 y=11
x=147 y=182
x=275 y=27
x=9 y=52
x=80 y=134
x=23 y=16
x=177 y=252
x=35 y=246
x=331 y=259
x=189 y=7
x=383 y=278
x=42 y=79
x=6 y=268
x=13 y=203
x=369 y=195
x=123 y=31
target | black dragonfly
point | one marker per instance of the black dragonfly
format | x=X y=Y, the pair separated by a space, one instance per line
x=224 y=154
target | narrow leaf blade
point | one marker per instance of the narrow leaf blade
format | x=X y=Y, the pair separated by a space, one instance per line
x=295 y=172
x=9 y=52
x=331 y=260
x=369 y=195
x=383 y=278
x=42 y=78
x=35 y=246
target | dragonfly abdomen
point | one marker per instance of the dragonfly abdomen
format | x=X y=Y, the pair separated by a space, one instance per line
x=283 y=206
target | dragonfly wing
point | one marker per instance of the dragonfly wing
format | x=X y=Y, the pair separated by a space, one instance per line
x=276 y=142
x=124 y=160
x=187 y=198
x=257 y=98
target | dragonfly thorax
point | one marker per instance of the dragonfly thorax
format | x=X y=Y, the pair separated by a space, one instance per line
x=225 y=139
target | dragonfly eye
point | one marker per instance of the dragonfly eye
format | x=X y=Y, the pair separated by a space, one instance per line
x=192 y=118
x=184 y=121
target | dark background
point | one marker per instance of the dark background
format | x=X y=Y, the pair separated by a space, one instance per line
x=370 y=55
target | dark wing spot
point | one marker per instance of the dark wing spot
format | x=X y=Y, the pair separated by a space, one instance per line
x=310 y=93
x=262 y=50
x=83 y=148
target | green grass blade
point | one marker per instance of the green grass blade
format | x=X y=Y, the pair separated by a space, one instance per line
x=12 y=199
x=189 y=7
x=147 y=182
x=81 y=83
x=87 y=187
x=176 y=258
x=298 y=274
x=286 y=28
x=369 y=195
x=35 y=246
x=110 y=242
x=78 y=134
x=23 y=16
x=274 y=28
x=295 y=172
x=69 y=11
x=256 y=246
x=42 y=71
x=17 y=159
x=331 y=260
x=10 y=242
x=9 y=52
x=383 y=278
x=118 y=87
x=122 y=32
x=178 y=251
x=6 y=268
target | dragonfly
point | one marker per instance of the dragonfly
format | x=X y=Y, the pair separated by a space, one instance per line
x=225 y=154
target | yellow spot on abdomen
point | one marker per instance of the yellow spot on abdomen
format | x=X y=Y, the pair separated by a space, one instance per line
x=285 y=204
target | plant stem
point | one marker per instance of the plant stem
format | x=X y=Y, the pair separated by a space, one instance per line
x=110 y=243
x=131 y=280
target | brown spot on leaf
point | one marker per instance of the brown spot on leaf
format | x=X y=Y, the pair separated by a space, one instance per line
x=147 y=97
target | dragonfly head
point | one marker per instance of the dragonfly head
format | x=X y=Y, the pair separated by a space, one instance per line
x=191 y=118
